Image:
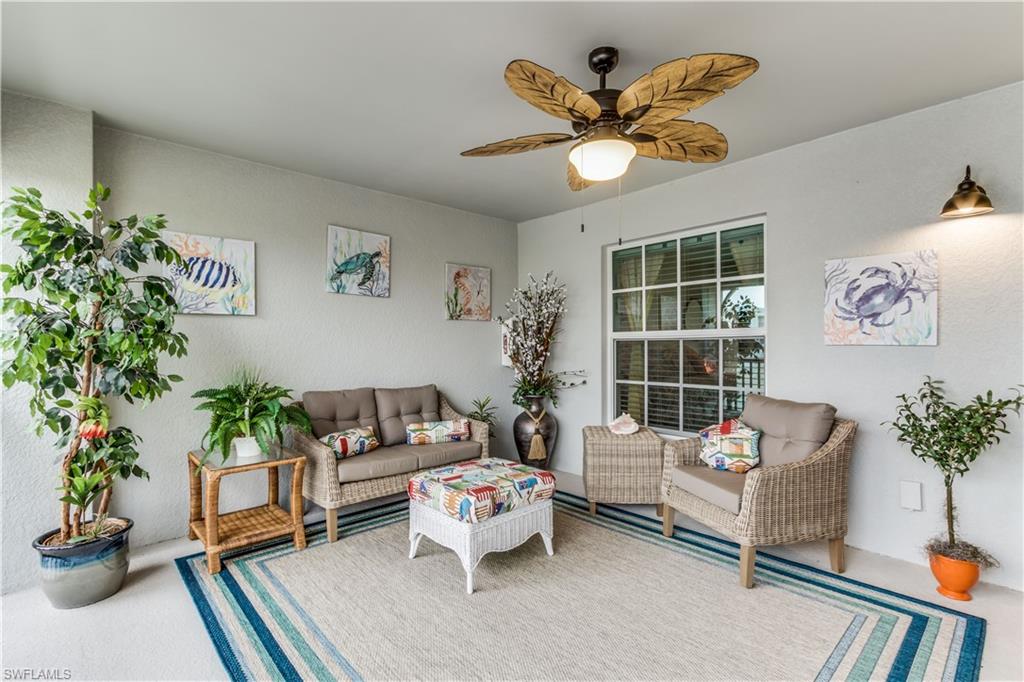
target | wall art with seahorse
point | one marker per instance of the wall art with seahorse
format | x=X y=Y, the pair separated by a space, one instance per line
x=467 y=292
x=358 y=262
x=217 y=276
x=890 y=300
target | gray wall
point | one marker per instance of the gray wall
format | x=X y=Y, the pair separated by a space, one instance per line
x=871 y=190
x=302 y=337
x=48 y=146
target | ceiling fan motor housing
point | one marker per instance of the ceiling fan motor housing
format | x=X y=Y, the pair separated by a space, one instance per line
x=603 y=60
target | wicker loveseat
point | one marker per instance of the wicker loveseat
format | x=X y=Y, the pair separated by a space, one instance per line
x=333 y=483
x=797 y=494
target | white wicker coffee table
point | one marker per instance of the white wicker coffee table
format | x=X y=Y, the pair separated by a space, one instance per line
x=481 y=506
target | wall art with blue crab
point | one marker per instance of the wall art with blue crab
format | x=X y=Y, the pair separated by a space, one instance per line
x=217 y=276
x=358 y=262
x=889 y=300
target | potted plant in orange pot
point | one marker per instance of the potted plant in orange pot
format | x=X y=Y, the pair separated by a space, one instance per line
x=951 y=437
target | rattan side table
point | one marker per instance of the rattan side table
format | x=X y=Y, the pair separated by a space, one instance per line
x=246 y=527
x=623 y=469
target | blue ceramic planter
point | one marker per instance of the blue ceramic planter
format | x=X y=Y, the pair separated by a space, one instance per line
x=83 y=573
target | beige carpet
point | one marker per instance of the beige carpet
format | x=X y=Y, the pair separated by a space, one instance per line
x=615 y=602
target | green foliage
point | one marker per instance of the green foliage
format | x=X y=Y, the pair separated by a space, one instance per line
x=84 y=486
x=453 y=304
x=484 y=412
x=84 y=327
x=948 y=435
x=98 y=528
x=248 y=407
x=738 y=313
x=546 y=385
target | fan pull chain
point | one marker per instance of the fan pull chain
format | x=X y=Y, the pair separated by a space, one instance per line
x=581 y=205
x=620 y=210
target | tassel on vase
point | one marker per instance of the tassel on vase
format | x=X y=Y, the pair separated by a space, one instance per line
x=537 y=449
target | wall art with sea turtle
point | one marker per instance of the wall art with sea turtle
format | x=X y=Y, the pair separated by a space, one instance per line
x=358 y=262
x=217 y=276
x=889 y=300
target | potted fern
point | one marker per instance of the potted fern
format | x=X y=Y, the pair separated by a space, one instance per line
x=83 y=328
x=249 y=415
x=951 y=437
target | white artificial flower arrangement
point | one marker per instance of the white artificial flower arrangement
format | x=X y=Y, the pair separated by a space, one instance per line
x=534 y=313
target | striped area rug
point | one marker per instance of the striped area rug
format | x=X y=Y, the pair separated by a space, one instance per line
x=617 y=601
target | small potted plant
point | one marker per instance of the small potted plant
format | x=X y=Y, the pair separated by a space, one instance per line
x=951 y=437
x=249 y=415
x=88 y=328
x=484 y=412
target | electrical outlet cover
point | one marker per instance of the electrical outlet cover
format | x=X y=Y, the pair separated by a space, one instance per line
x=910 y=495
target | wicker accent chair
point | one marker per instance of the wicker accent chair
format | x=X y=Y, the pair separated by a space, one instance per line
x=322 y=484
x=798 y=501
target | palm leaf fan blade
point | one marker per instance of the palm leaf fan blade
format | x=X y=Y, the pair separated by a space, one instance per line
x=517 y=145
x=681 y=85
x=550 y=92
x=681 y=141
x=577 y=183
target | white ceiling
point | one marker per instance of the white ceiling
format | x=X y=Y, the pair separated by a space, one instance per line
x=386 y=95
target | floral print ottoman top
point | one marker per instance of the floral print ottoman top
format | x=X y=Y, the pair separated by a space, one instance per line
x=478 y=489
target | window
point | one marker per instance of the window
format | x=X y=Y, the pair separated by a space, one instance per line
x=687 y=326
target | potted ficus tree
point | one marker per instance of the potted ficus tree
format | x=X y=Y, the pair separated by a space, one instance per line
x=248 y=414
x=951 y=437
x=83 y=328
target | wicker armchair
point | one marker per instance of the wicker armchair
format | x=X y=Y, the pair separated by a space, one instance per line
x=322 y=486
x=794 y=502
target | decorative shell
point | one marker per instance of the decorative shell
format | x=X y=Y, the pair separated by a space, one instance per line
x=624 y=425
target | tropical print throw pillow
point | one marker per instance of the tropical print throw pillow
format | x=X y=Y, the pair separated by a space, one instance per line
x=351 y=441
x=730 y=446
x=427 y=433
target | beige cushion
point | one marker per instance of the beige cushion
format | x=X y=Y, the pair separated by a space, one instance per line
x=397 y=407
x=334 y=411
x=789 y=431
x=377 y=464
x=721 y=488
x=439 y=454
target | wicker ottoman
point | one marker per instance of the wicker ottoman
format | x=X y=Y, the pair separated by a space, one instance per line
x=623 y=469
x=480 y=506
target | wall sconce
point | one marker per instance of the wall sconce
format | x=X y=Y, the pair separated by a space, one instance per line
x=969 y=199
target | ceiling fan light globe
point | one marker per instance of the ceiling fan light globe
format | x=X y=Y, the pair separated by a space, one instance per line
x=602 y=159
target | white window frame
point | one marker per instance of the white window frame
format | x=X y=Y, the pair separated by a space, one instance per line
x=719 y=332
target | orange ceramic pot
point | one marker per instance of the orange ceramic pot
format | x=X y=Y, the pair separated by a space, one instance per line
x=956 y=578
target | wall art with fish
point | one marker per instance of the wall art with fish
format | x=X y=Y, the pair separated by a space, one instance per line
x=889 y=300
x=467 y=292
x=358 y=262
x=217 y=275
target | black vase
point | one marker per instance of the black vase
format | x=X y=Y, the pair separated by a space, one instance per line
x=530 y=422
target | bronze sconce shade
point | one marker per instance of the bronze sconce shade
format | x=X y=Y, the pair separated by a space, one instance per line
x=969 y=199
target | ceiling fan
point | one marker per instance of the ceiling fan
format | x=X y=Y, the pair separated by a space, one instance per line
x=613 y=126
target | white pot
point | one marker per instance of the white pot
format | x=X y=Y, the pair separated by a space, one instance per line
x=247 y=448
